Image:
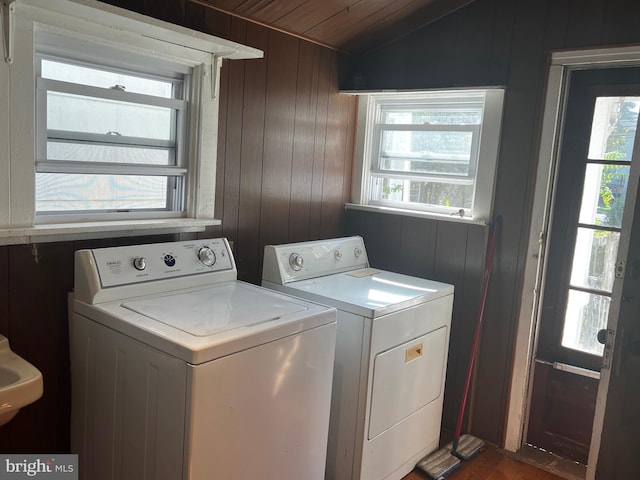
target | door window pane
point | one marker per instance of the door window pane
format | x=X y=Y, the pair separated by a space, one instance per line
x=613 y=129
x=594 y=259
x=586 y=314
x=603 y=195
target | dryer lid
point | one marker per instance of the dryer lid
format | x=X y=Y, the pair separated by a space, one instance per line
x=215 y=309
x=369 y=292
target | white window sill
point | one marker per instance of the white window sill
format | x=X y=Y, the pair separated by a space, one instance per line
x=415 y=213
x=107 y=229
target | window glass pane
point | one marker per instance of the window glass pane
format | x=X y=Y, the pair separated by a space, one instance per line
x=61 y=192
x=586 y=314
x=613 y=129
x=77 y=113
x=94 y=77
x=594 y=259
x=451 y=195
x=603 y=195
x=438 y=152
x=417 y=115
x=93 y=152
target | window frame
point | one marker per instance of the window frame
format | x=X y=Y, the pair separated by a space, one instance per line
x=175 y=172
x=99 y=27
x=485 y=142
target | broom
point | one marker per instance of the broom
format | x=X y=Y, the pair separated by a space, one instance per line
x=444 y=461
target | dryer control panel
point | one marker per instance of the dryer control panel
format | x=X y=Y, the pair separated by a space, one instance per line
x=300 y=261
x=129 y=269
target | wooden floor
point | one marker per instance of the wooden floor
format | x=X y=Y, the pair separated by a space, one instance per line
x=492 y=465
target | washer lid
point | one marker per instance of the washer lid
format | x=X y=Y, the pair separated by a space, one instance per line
x=214 y=309
x=201 y=324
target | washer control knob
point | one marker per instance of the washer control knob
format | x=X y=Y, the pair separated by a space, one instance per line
x=296 y=261
x=337 y=255
x=140 y=263
x=207 y=256
x=357 y=252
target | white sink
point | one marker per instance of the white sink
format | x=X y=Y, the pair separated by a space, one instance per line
x=20 y=382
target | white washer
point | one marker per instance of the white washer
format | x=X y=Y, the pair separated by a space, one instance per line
x=179 y=371
x=391 y=354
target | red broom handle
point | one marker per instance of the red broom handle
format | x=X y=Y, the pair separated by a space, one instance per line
x=476 y=336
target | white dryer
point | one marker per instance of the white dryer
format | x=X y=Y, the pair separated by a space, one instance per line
x=179 y=371
x=391 y=354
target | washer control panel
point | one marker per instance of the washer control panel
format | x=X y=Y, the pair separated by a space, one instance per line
x=142 y=263
x=299 y=261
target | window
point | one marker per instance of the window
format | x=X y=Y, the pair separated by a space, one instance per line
x=432 y=152
x=108 y=140
x=118 y=127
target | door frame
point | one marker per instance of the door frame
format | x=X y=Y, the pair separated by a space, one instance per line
x=561 y=66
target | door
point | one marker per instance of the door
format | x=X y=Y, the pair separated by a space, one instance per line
x=617 y=423
x=594 y=199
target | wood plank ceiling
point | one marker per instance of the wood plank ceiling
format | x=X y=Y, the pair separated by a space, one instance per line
x=350 y=26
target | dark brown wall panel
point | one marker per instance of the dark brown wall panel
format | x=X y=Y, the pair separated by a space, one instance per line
x=469 y=298
x=285 y=146
x=621 y=22
x=173 y=11
x=230 y=138
x=252 y=152
x=325 y=87
x=40 y=278
x=585 y=23
x=4 y=290
x=5 y=440
x=336 y=148
x=418 y=235
x=454 y=258
x=303 y=146
x=282 y=78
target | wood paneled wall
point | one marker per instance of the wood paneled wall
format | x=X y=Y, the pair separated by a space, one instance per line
x=491 y=42
x=286 y=145
x=284 y=173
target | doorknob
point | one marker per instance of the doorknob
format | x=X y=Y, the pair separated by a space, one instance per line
x=602 y=336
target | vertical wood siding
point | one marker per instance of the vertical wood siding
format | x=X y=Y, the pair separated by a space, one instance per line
x=490 y=42
x=286 y=141
x=284 y=166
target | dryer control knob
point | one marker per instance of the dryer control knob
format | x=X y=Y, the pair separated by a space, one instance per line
x=207 y=256
x=296 y=261
x=140 y=263
x=357 y=252
x=337 y=255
